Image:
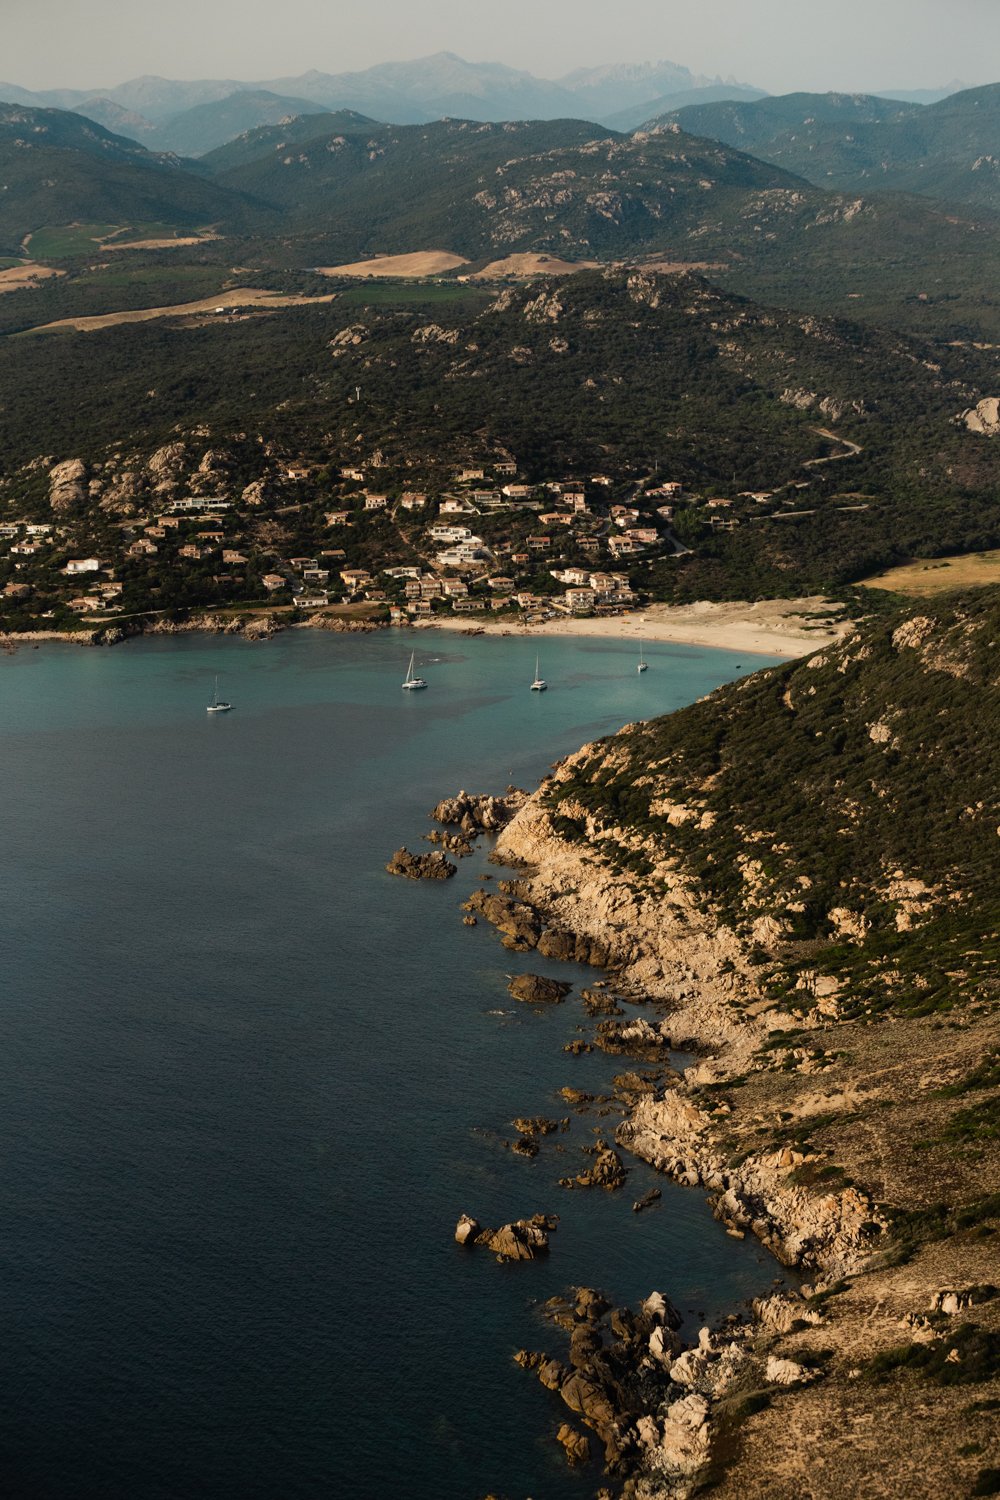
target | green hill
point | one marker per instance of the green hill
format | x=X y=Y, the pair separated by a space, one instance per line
x=855 y=143
x=624 y=370
x=58 y=168
x=876 y=757
x=560 y=186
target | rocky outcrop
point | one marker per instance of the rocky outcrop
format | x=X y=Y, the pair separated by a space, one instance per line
x=523 y=1239
x=608 y=1172
x=421 y=866
x=476 y=814
x=637 y=1038
x=575 y=1444
x=454 y=843
x=518 y=923
x=67 y=485
x=983 y=418
x=836 y=1232
x=535 y=989
x=166 y=466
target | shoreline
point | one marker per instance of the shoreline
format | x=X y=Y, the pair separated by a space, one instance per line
x=770 y=627
x=746 y=1406
x=785 y=628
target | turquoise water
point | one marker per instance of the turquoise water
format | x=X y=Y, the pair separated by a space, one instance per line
x=248 y=1081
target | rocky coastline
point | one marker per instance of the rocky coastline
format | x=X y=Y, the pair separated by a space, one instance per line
x=251 y=627
x=669 y=1418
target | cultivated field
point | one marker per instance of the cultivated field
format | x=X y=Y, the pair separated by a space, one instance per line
x=420 y=263
x=531 y=265
x=26 y=274
x=937 y=575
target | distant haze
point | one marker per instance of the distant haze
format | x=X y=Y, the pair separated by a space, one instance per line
x=779 y=45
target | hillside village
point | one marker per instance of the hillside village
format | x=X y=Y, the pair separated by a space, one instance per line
x=322 y=539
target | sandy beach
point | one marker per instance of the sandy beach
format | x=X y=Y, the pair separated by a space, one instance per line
x=771 y=627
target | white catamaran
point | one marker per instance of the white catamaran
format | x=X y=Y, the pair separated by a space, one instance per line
x=411 y=681
x=217 y=705
x=539 y=685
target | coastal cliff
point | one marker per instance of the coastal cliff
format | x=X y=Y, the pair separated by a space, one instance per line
x=803 y=871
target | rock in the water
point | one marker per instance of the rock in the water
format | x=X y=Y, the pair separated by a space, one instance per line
x=646 y=1201
x=477 y=813
x=576 y=1444
x=466 y=1229
x=524 y=1239
x=538 y=1125
x=607 y=1172
x=421 y=866
x=534 y=989
x=599 y=1002
x=453 y=842
x=517 y=922
x=589 y=1401
x=661 y=1310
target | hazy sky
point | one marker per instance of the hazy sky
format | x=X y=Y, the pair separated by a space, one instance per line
x=778 y=44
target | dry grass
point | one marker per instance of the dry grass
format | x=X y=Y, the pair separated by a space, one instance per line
x=531 y=265
x=419 y=263
x=937 y=575
x=18 y=277
x=244 y=297
x=164 y=244
x=678 y=267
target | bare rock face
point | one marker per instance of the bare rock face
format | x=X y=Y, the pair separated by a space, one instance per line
x=466 y=1229
x=952 y=1302
x=984 y=418
x=679 y=1449
x=166 y=465
x=534 y=989
x=67 y=487
x=662 y=1311
x=254 y=493
x=637 y=1038
x=779 y=1313
x=121 y=497
x=787 y=1372
x=348 y=338
x=421 y=866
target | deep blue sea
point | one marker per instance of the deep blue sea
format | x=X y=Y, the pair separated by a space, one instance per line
x=248 y=1081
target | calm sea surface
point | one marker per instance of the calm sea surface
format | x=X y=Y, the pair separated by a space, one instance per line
x=248 y=1081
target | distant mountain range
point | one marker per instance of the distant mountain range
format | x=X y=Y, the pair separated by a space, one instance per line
x=191 y=118
x=858 y=143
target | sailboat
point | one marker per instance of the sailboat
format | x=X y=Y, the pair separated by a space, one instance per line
x=643 y=663
x=539 y=685
x=411 y=681
x=217 y=705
